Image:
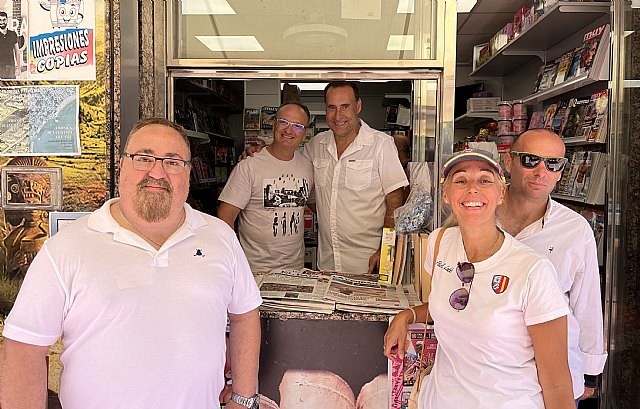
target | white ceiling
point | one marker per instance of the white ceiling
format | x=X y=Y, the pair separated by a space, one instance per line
x=478 y=26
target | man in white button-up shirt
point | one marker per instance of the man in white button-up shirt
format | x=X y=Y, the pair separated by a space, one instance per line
x=358 y=183
x=531 y=216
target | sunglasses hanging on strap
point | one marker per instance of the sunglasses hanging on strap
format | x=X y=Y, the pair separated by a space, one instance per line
x=415 y=391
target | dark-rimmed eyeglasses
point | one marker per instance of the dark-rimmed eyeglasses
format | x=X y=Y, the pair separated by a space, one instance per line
x=530 y=161
x=145 y=162
x=460 y=297
x=296 y=126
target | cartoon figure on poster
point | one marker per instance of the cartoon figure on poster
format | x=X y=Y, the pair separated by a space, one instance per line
x=13 y=39
x=62 y=43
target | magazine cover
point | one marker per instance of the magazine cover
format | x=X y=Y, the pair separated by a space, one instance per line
x=564 y=63
x=268 y=116
x=581 y=172
x=575 y=62
x=577 y=108
x=600 y=103
x=403 y=374
x=251 y=119
x=590 y=43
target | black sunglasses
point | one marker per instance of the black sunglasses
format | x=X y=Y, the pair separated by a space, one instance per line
x=530 y=161
x=460 y=297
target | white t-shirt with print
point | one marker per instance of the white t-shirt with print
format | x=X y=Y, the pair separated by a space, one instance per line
x=485 y=356
x=272 y=194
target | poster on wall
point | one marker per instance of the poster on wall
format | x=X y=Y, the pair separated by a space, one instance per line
x=39 y=120
x=61 y=40
x=14 y=36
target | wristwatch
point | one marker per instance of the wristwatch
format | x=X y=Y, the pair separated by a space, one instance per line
x=252 y=402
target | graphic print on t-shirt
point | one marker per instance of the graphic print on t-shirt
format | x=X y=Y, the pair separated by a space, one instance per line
x=286 y=192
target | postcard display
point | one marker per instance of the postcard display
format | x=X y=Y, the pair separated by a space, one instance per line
x=54 y=132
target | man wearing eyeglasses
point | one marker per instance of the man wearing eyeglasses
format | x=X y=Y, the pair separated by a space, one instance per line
x=358 y=183
x=139 y=291
x=530 y=215
x=269 y=192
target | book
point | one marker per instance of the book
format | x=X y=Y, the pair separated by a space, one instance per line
x=387 y=255
x=564 y=63
x=267 y=116
x=251 y=119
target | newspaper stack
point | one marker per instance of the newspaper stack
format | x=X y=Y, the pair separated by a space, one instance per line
x=324 y=292
x=296 y=290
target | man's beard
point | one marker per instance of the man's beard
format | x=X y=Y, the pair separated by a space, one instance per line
x=153 y=206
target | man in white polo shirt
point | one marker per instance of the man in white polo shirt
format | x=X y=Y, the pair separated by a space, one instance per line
x=529 y=214
x=139 y=291
x=358 y=183
x=269 y=192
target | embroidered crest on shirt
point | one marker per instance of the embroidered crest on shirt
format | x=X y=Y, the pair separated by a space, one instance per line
x=199 y=253
x=499 y=284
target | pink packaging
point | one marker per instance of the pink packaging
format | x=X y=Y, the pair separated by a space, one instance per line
x=505 y=110
x=505 y=141
x=504 y=126
x=519 y=125
x=519 y=109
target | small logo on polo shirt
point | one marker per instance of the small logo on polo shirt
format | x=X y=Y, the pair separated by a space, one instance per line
x=550 y=249
x=499 y=284
x=199 y=253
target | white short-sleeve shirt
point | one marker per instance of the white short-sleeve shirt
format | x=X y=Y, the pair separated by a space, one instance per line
x=272 y=195
x=485 y=356
x=350 y=196
x=140 y=328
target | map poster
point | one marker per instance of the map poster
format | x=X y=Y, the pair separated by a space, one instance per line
x=62 y=40
x=39 y=120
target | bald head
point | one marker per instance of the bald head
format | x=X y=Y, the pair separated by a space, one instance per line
x=537 y=139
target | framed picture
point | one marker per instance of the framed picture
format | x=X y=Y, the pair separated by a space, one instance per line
x=31 y=188
x=58 y=220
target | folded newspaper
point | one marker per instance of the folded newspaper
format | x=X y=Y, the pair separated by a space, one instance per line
x=323 y=292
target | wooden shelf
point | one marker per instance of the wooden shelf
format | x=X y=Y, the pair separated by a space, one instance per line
x=550 y=29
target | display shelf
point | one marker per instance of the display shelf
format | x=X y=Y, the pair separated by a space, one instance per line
x=211 y=96
x=475 y=118
x=574 y=199
x=201 y=136
x=561 y=21
x=579 y=141
x=562 y=88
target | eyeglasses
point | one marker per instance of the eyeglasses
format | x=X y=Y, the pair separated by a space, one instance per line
x=296 y=126
x=460 y=297
x=143 y=162
x=530 y=161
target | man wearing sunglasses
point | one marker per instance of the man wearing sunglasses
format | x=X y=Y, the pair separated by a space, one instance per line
x=536 y=162
x=140 y=291
x=269 y=192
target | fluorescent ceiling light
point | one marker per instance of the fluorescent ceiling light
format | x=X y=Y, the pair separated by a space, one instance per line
x=465 y=6
x=400 y=42
x=231 y=43
x=405 y=6
x=206 y=7
x=306 y=86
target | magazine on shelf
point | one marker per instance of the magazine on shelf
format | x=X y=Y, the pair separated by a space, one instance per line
x=403 y=374
x=581 y=174
x=574 y=67
x=267 y=116
x=589 y=57
x=548 y=75
x=577 y=109
x=596 y=127
x=564 y=63
x=549 y=115
x=560 y=118
x=251 y=119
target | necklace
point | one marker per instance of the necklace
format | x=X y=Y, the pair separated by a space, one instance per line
x=155 y=243
x=491 y=250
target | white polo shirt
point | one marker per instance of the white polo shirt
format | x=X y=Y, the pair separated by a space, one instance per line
x=350 y=196
x=141 y=328
x=567 y=240
x=485 y=356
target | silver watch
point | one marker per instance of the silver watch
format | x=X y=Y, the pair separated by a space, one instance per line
x=252 y=402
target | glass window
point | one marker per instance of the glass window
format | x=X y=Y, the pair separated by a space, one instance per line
x=302 y=31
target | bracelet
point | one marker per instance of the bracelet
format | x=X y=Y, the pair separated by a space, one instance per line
x=414 y=315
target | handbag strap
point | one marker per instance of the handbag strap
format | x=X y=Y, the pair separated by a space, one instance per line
x=433 y=270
